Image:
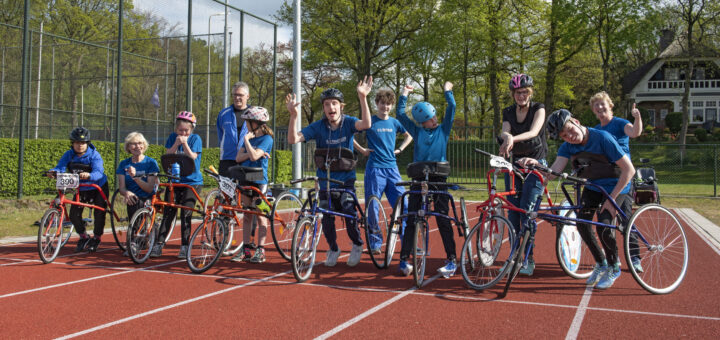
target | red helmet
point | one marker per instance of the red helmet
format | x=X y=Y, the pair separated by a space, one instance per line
x=186 y=115
x=520 y=81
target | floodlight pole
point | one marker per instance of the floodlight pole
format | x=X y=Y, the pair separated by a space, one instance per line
x=297 y=89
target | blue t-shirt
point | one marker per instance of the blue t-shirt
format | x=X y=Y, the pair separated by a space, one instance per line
x=430 y=144
x=381 y=139
x=145 y=166
x=616 y=128
x=264 y=143
x=324 y=137
x=195 y=144
x=601 y=143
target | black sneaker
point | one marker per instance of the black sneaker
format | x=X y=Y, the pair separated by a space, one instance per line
x=82 y=243
x=92 y=245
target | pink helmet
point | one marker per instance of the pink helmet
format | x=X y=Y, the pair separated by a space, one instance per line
x=187 y=115
x=520 y=81
x=256 y=113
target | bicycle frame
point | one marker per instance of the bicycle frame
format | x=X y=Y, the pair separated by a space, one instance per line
x=62 y=200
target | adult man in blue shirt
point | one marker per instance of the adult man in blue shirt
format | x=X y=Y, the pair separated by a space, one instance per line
x=335 y=130
x=231 y=129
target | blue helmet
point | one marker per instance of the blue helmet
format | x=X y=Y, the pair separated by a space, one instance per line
x=422 y=112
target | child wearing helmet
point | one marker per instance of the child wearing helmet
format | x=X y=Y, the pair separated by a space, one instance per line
x=523 y=136
x=258 y=143
x=82 y=151
x=598 y=157
x=431 y=141
x=381 y=170
x=184 y=141
x=335 y=130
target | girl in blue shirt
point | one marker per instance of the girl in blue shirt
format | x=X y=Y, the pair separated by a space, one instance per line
x=621 y=129
x=258 y=143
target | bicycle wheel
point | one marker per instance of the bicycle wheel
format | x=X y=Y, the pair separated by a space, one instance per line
x=304 y=248
x=518 y=260
x=50 y=235
x=571 y=252
x=120 y=225
x=419 y=253
x=376 y=230
x=658 y=241
x=465 y=227
x=206 y=244
x=286 y=213
x=234 y=239
x=395 y=232
x=492 y=239
x=141 y=235
x=68 y=229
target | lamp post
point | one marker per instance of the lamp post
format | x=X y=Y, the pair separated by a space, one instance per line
x=207 y=115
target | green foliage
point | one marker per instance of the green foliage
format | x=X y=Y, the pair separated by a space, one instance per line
x=283 y=159
x=701 y=134
x=673 y=121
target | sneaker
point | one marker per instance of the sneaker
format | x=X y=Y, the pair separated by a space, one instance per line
x=528 y=268
x=92 y=245
x=405 y=268
x=183 y=252
x=156 y=250
x=82 y=243
x=355 y=255
x=242 y=255
x=448 y=269
x=259 y=256
x=375 y=242
x=636 y=263
x=376 y=251
x=332 y=257
x=598 y=271
x=609 y=278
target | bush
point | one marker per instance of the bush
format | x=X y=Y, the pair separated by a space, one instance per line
x=673 y=121
x=701 y=134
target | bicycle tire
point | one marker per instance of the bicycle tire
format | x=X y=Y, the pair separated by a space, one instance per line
x=206 y=244
x=492 y=238
x=285 y=216
x=118 y=208
x=141 y=235
x=572 y=254
x=304 y=248
x=50 y=235
x=373 y=234
x=519 y=258
x=664 y=258
x=395 y=232
x=419 y=252
x=68 y=229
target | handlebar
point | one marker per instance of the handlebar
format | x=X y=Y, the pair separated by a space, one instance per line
x=555 y=173
x=438 y=184
x=158 y=175
x=315 y=178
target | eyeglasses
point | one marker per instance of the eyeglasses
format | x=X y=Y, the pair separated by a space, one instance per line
x=239 y=94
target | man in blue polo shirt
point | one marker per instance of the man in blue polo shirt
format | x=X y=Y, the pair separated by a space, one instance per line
x=231 y=129
x=335 y=130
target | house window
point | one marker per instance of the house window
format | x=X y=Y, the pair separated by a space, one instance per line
x=710 y=103
x=651 y=117
x=711 y=114
x=700 y=73
x=697 y=116
x=663 y=113
x=697 y=104
x=672 y=74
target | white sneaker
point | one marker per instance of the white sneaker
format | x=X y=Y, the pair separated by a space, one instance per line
x=355 y=255
x=332 y=257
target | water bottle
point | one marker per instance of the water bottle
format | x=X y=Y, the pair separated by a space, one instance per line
x=260 y=204
x=175 y=171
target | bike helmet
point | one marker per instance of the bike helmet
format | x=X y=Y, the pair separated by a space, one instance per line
x=80 y=134
x=520 y=81
x=256 y=113
x=186 y=115
x=332 y=93
x=556 y=121
x=422 y=112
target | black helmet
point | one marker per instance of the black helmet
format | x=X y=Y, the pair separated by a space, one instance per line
x=556 y=121
x=80 y=134
x=520 y=81
x=332 y=93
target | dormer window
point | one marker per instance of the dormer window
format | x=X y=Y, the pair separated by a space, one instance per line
x=672 y=74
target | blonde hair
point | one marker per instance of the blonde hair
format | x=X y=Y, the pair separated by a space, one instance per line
x=136 y=137
x=602 y=95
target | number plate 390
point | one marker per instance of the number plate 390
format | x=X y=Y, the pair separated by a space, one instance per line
x=67 y=181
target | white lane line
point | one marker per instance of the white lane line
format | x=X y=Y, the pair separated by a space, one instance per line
x=14 y=263
x=161 y=309
x=579 y=315
x=85 y=280
x=372 y=310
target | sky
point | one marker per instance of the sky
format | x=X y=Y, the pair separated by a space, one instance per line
x=255 y=31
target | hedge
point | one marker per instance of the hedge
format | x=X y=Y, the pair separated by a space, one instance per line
x=43 y=154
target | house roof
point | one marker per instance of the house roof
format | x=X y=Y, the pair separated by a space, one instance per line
x=632 y=78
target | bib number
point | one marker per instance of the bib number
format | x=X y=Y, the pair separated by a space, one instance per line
x=67 y=181
x=227 y=186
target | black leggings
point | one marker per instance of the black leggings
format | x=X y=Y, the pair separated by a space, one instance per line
x=591 y=202
x=186 y=198
x=441 y=205
x=342 y=203
x=90 y=197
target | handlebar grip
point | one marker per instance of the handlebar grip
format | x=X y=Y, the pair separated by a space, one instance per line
x=299 y=180
x=483 y=152
x=331 y=180
x=398 y=184
x=558 y=174
x=147 y=175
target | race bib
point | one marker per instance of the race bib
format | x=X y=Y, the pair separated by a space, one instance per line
x=499 y=162
x=67 y=181
x=227 y=186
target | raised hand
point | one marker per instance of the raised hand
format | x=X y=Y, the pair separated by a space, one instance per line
x=292 y=104
x=635 y=111
x=448 y=86
x=364 y=86
x=407 y=89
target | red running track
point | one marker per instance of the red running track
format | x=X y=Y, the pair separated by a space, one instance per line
x=105 y=295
